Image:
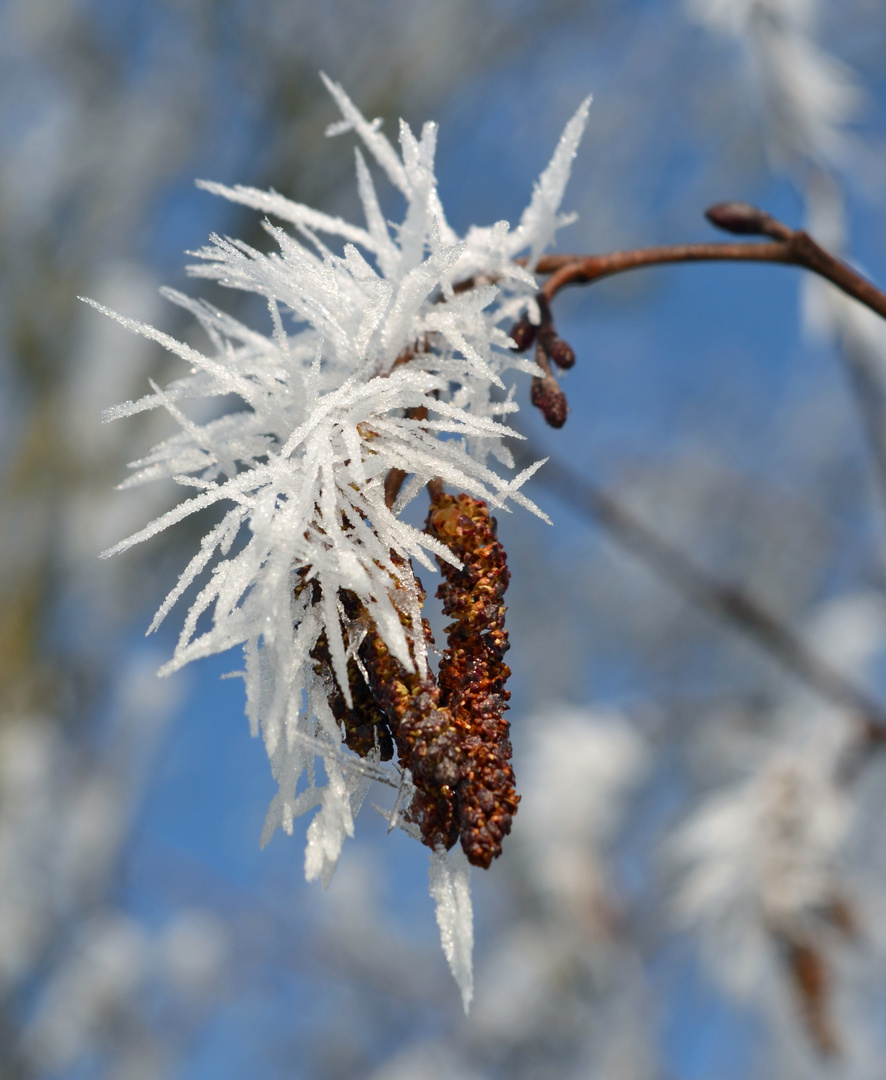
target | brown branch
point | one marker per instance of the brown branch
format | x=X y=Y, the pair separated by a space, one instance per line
x=720 y=598
x=785 y=246
x=791 y=248
x=393 y=483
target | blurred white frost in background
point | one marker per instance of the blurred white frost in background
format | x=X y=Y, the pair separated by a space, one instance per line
x=63 y=822
x=804 y=95
x=580 y=769
x=770 y=865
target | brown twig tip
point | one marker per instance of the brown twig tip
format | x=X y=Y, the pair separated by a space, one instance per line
x=746 y=220
x=561 y=352
x=547 y=396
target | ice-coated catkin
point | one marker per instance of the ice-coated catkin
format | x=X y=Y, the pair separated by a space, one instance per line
x=394 y=706
x=472 y=671
x=364 y=724
x=428 y=743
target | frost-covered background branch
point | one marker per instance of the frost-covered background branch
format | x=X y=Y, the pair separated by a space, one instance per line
x=702 y=410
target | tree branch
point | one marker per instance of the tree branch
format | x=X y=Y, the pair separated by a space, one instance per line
x=725 y=601
x=787 y=246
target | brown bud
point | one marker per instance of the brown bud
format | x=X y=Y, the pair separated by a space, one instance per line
x=740 y=217
x=547 y=395
x=561 y=353
x=523 y=333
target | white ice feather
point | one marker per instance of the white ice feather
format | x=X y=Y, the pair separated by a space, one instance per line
x=449 y=879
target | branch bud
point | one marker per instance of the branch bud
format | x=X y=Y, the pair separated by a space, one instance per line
x=547 y=395
x=523 y=333
x=746 y=220
x=561 y=352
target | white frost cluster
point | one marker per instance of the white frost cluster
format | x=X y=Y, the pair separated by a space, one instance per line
x=779 y=873
x=581 y=768
x=807 y=96
x=771 y=857
x=357 y=340
x=761 y=860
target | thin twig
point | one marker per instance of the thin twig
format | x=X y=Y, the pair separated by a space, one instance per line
x=792 y=247
x=784 y=246
x=722 y=599
x=799 y=250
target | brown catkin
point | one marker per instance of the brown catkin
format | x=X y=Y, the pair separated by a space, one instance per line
x=811 y=981
x=473 y=673
x=392 y=705
x=365 y=725
x=427 y=741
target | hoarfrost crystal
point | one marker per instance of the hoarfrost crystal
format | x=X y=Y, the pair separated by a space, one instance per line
x=373 y=362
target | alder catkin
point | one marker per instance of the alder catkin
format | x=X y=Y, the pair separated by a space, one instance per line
x=811 y=981
x=428 y=743
x=393 y=706
x=365 y=726
x=472 y=671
